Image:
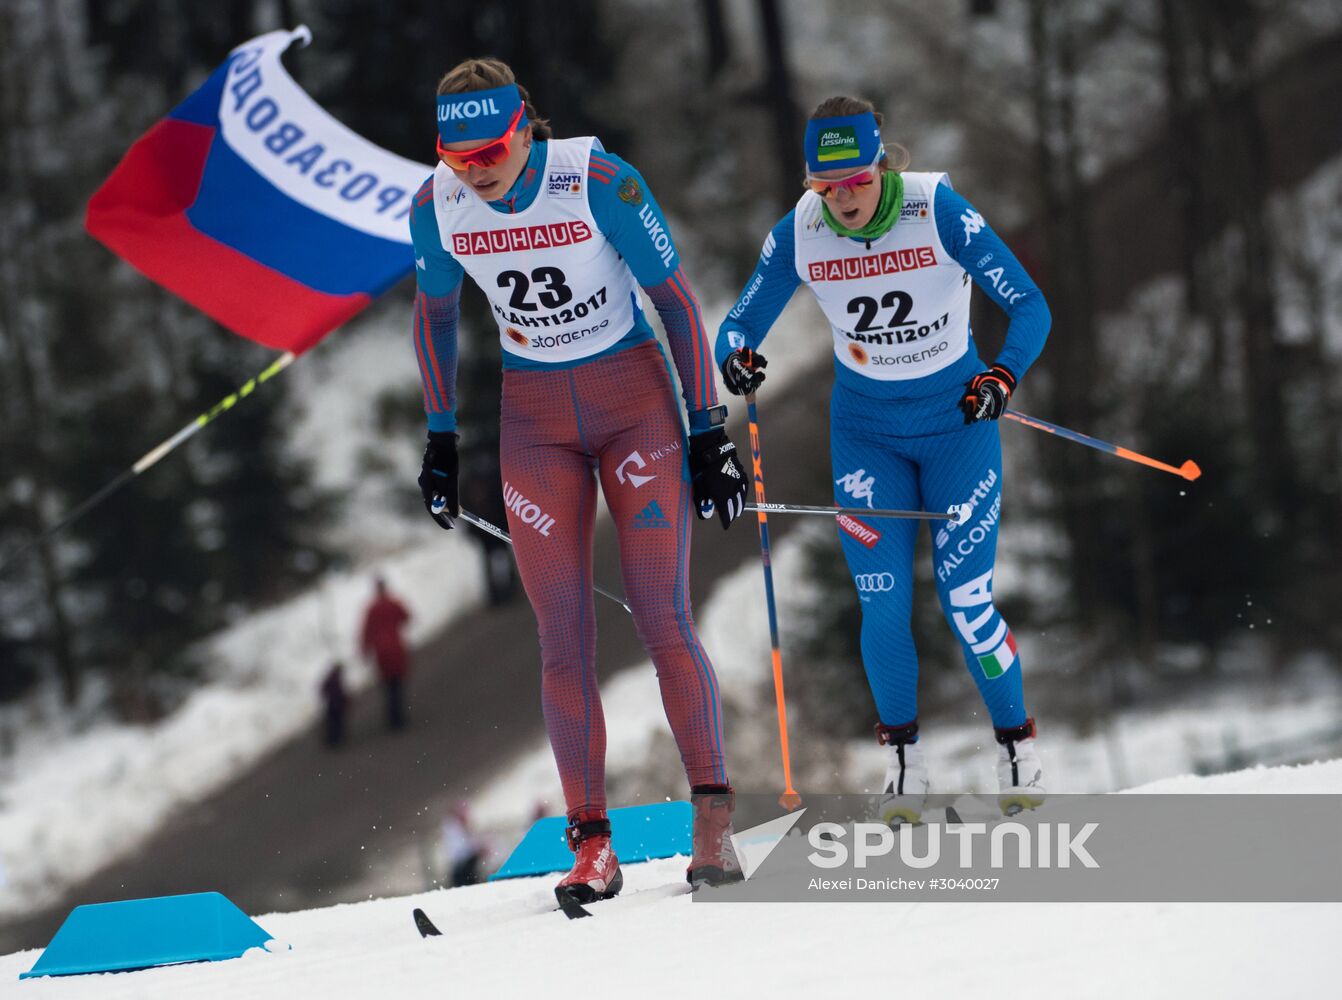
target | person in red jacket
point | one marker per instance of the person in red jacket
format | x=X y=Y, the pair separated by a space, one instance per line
x=382 y=643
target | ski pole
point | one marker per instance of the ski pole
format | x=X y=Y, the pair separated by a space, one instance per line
x=1189 y=470
x=959 y=513
x=152 y=457
x=503 y=536
x=789 y=799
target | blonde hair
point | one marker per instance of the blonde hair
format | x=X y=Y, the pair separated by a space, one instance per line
x=897 y=158
x=487 y=73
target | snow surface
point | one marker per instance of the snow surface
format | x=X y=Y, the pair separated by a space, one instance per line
x=505 y=940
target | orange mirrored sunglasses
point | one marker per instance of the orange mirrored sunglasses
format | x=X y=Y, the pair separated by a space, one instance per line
x=482 y=156
x=859 y=179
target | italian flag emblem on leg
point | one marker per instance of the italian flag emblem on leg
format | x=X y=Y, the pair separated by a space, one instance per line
x=996 y=663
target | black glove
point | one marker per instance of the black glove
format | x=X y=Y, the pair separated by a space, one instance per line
x=743 y=371
x=438 y=478
x=717 y=477
x=986 y=394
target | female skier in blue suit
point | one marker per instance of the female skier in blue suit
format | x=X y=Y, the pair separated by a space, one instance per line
x=889 y=256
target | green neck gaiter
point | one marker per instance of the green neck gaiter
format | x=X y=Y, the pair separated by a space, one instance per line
x=887 y=212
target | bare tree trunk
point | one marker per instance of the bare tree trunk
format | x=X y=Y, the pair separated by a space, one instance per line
x=1071 y=357
x=1246 y=168
x=30 y=427
x=1188 y=159
x=718 y=40
x=781 y=103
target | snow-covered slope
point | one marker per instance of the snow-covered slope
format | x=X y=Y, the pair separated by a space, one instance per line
x=505 y=940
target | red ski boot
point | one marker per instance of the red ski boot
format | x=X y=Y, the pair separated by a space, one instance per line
x=596 y=871
x=714 y=861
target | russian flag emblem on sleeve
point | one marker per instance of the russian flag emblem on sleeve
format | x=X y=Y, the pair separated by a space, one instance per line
x=253 y=204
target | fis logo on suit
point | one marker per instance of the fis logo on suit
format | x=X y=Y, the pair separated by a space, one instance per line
x=858 y=485
x=874 y=583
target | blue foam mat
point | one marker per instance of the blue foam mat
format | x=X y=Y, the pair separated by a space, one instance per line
x=638 y=833
x=142 y=933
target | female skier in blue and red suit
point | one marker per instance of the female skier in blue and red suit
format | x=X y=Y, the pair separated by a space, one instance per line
x=560 y=235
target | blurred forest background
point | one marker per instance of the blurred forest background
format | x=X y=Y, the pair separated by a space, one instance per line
x=1168 y=170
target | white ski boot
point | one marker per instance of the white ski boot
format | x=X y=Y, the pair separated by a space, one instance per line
x=904 y=793
x=1020 y=775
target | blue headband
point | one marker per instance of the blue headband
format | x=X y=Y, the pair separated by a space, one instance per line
x=834 y=143
x=479 y=114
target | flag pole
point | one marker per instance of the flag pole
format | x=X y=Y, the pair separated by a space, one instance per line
x=155 y=454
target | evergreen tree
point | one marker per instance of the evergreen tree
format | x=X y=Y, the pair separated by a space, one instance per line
x=99 y=365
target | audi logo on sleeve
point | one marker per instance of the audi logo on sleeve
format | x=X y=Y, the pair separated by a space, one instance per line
x=874 y=583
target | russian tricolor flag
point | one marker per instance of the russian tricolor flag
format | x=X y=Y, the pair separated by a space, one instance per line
x=256 y=206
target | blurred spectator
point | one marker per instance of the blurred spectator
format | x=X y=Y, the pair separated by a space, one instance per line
x=382 y=642
x=336 y=702
x=462 y=850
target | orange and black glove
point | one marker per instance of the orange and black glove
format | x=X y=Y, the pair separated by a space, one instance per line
x=987 y=393
x=743 y=371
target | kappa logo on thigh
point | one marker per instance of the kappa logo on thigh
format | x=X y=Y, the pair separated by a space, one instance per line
x=858 y=485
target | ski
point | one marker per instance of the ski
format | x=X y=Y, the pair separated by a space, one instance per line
x=570 y=906
x=425 y=925
x=574 y=909
x=567 y=903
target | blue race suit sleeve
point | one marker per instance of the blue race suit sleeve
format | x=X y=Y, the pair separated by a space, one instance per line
x=765 y=294
x=630 y=218
x=995 y=269
x=438 y=277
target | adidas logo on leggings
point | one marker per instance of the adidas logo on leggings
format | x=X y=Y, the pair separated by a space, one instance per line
x=651 y=517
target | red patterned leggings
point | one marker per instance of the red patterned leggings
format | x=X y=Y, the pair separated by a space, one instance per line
x=614 y=419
